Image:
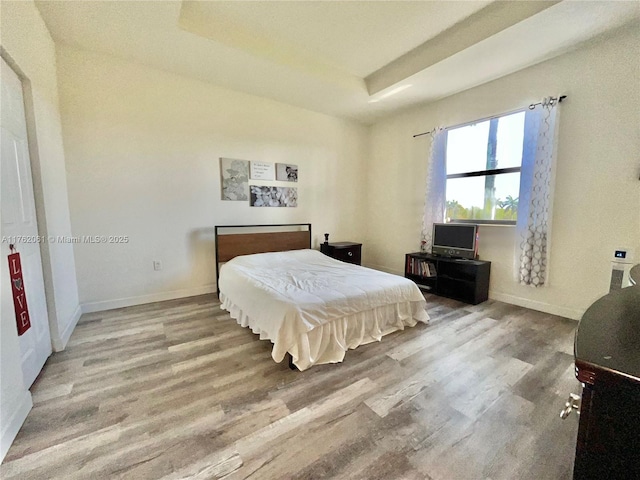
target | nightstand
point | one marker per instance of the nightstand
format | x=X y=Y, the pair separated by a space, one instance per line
x=346 y=251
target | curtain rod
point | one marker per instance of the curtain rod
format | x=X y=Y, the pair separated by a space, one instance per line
x=531 y=107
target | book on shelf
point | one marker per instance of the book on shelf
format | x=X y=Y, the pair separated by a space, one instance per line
x=421 y=268
x=432 y=270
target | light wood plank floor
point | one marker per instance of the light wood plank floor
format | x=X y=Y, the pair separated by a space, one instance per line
x=178 y=390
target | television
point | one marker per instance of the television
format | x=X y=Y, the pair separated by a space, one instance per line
x=456 y=240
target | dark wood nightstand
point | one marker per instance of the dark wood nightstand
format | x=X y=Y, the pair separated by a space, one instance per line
x=346 y=251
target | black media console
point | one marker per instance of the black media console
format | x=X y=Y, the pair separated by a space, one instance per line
x=464 y=280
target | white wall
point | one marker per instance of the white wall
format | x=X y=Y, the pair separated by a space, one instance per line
x=28 y=47
x=143 y=149
x=597 y=200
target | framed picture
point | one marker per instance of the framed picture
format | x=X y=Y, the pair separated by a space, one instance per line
x=234 y=178
x=262 y=196
x=262 y=171
x=286 y=172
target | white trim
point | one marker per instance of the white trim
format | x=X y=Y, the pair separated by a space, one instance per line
x=571 y=313
x=12 y=427
x=142 y=299
x=59 y=344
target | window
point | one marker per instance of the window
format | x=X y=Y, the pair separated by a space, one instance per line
x=483 y=170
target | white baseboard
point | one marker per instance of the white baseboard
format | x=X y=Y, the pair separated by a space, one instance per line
x=142 y=299
x=11 y=428
x=59 y=344
x=572 y=313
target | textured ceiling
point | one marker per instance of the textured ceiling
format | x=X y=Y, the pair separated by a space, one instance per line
x=360 y=60
x=356 y=37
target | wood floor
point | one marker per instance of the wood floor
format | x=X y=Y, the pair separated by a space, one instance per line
x=179 y=390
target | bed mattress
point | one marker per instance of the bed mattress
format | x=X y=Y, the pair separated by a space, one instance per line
x=316 y=307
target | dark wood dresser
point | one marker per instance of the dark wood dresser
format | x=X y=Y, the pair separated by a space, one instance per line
x=607 y=359
x=349 y=252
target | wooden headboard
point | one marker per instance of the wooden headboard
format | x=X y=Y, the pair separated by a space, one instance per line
x=228 y=246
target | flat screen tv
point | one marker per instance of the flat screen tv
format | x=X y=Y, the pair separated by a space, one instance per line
x=456 y=240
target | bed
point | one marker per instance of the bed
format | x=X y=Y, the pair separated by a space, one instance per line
x=310 y=306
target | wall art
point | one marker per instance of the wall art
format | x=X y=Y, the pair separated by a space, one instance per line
x=234 y=177
x=286 y=172
x=273 y=196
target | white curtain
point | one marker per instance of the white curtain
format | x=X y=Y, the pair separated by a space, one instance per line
x=434 y=203
x=533 y=231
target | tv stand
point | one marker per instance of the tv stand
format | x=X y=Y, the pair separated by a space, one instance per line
x=458 y=278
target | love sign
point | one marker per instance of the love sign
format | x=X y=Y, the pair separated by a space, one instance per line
x=19 y=297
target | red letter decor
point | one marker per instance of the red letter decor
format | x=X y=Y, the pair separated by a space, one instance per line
x=19 y=298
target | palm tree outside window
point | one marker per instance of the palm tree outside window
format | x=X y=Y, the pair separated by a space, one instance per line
x=483 y=162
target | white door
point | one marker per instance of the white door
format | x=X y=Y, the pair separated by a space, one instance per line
x=18 y=219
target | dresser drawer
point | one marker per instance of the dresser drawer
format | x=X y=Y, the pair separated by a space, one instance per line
x=349 y=252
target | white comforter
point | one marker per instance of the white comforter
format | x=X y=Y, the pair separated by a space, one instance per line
x=315 y=307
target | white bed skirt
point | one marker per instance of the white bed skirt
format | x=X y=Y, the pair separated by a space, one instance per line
x=329 y=342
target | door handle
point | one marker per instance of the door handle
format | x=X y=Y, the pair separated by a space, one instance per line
x=573 y=403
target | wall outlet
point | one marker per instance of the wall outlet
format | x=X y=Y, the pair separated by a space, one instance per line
x=157 y=265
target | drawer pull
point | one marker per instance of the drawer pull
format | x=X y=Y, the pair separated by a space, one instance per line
x=350 y=254
x=573 y=403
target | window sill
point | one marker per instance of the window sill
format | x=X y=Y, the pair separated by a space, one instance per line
x=485 y=223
